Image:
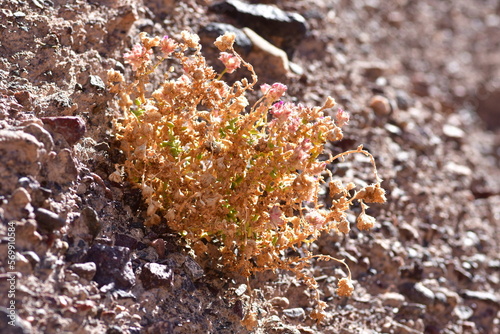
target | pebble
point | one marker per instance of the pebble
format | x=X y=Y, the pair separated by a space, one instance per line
x=241 y=290
x=49 y=221
x=392 y=299
x=294 y=313
x=380 y=105
x=156 y=275
x=20 y=198
x=453 y=132
x=408 y=232
x=72 y=128
x=85 y=270
x=96 y=82
x=194 y=270
x=32 y=257
x=411 y=311
x=89 y=217
x=282 y=302
x=23 y=265
x=418 y=293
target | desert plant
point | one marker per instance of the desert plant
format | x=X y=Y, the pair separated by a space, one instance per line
x=222 y=172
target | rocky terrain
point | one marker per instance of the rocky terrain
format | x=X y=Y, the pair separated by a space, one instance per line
x=421 y=80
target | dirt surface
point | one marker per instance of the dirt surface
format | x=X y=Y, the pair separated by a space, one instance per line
x=421 y=81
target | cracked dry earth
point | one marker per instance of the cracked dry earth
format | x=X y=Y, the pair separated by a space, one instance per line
x=421 y=81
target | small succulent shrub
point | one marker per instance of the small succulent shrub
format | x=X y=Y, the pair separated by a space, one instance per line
x=222 y=173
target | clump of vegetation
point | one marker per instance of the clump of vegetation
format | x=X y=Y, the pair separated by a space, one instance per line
x=221 y=172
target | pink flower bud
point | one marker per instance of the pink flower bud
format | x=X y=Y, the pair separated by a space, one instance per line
x=137 y=56
x=315 y=219
x=230 y=61
x=167 y=46
x=342 y=117
x=275 y=91
x=275 y=216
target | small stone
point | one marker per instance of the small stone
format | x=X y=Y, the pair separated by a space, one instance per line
x=241 y=290
x=156 y=275
x=392 y=299
x=282 y=302
x=85 y=270
x=90 y=219
x=32 y=257
x=96 y=82
x=125 y=240
x=393 y=129
x=159 y=246
x=411 y=311
x=193 y=269
x=457 y=169
x=20 y=198
x=72 y=128
x=23 y=265
x=48 y=220
x=403 y=101
x=408 y=232
x=463 y=312
x=380 y=105
x=418 y=293
x=453 y=132
x=295 y=313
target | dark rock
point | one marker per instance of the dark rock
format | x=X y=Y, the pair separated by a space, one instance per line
x=84 y=270
x=125 y=240
x=403 y=100
x=72 y=128
x=77 y=251
x=238 y=308
x=90 y=218
x=48 y=221
x=113 y=265
x=284 y=29
x=242 y=43
x=156 y=275
x=193 y=269
x=418 y=293
x=17 y=328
